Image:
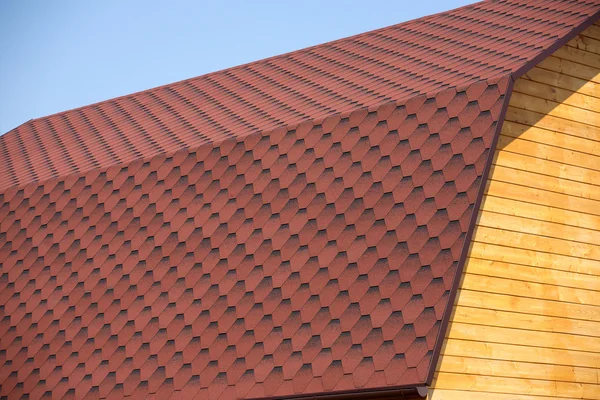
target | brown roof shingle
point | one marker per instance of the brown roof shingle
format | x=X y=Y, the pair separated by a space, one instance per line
x=236 y=237
x=483 y=41
x=314 y=258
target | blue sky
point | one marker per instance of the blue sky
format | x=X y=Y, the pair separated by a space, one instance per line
x=58 y=55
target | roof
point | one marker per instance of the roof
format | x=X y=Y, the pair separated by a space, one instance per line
x=485 y=41
x=290 y=227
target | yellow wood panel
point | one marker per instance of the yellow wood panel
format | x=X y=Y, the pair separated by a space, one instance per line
x=512 y=369
x=553 y=184
x=531 y=274
x=550 y=152
x=546 y=244
x=507 y=319
x=496 y=301
x=512 y=206
x=526 y=324
x=449 y=394
x=544 y=136
x=531 y=289
x=579 y=56
x=542 y=197
x=537 y=227
x=570 y=68
x=511 y=352
x=557 y=94
x=523 y=116
x=585 y=43
x=494 y=384
x=533 y=258
x=556 y=79
x=593 y=32
x=546 y=167
x=555 y=109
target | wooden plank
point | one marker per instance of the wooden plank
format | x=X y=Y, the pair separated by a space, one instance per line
x=533 y=258
x=563 y=81
x=551 y=122
x=523 y=337
x=501 y=269
x=545 y=136
x=556 y=94
x=578 y=56
x=593 y=31
x=520 y=240
x=509 y=352
x=542 y=228
x=540 y=212
x=542 y=197
x=509 y=302
x=549 y=152
x=512 y=369
x=451 y=394
x=544 y=182
x=570 y=68
x=546 y=167
x=517 y=320
x=585 y=43
x=527 y=317
x=532 y=387
x=530 y=289
x=555 y=109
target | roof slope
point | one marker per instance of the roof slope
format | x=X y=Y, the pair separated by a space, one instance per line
x=310 y=259
x=487 y=40
x=312 y=253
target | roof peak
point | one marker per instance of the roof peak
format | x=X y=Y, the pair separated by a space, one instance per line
x=276 y=56
x=481 y=41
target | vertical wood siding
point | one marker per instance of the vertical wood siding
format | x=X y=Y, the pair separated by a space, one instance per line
x=526 y=323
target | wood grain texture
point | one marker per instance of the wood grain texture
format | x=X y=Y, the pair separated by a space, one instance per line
x=562 y=81
x=549 y=183
x=450 y=394
x=558 y=139
x=531 y=274
x=546 y=244
x=500 y=384
x=507 y=319
x=526 y=323
x=546 y=167
x=527 y=305
x=503 y=204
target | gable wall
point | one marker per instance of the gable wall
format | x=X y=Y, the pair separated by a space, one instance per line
x=526 y=324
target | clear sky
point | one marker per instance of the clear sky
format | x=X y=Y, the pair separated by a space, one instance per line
x=61 y=54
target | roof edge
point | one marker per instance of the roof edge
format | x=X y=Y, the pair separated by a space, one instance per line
x=391 y=393
x=288 y=126
x=557 y=45
x=484 y=178
x=468 y=237
x=243 y=65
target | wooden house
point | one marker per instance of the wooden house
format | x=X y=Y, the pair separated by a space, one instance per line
x=409 y=212
x=525 y=322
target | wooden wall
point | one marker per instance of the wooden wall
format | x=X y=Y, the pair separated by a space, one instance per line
x=526 y=323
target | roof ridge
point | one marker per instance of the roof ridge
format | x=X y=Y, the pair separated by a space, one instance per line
x=419 y=56
x=288 y=126
x=240 y=66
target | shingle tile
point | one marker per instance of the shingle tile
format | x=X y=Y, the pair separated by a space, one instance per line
x=268 y=244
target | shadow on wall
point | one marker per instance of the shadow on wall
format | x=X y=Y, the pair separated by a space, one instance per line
x=533 y=120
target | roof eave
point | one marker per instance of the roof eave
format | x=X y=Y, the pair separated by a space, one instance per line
x=406 y=392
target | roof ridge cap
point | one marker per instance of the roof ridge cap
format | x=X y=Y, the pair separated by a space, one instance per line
x=289 y=126
x=240 y=66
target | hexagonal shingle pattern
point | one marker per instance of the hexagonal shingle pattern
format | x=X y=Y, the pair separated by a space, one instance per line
x=486 y=40
x=307 y=259
x=290 y=226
